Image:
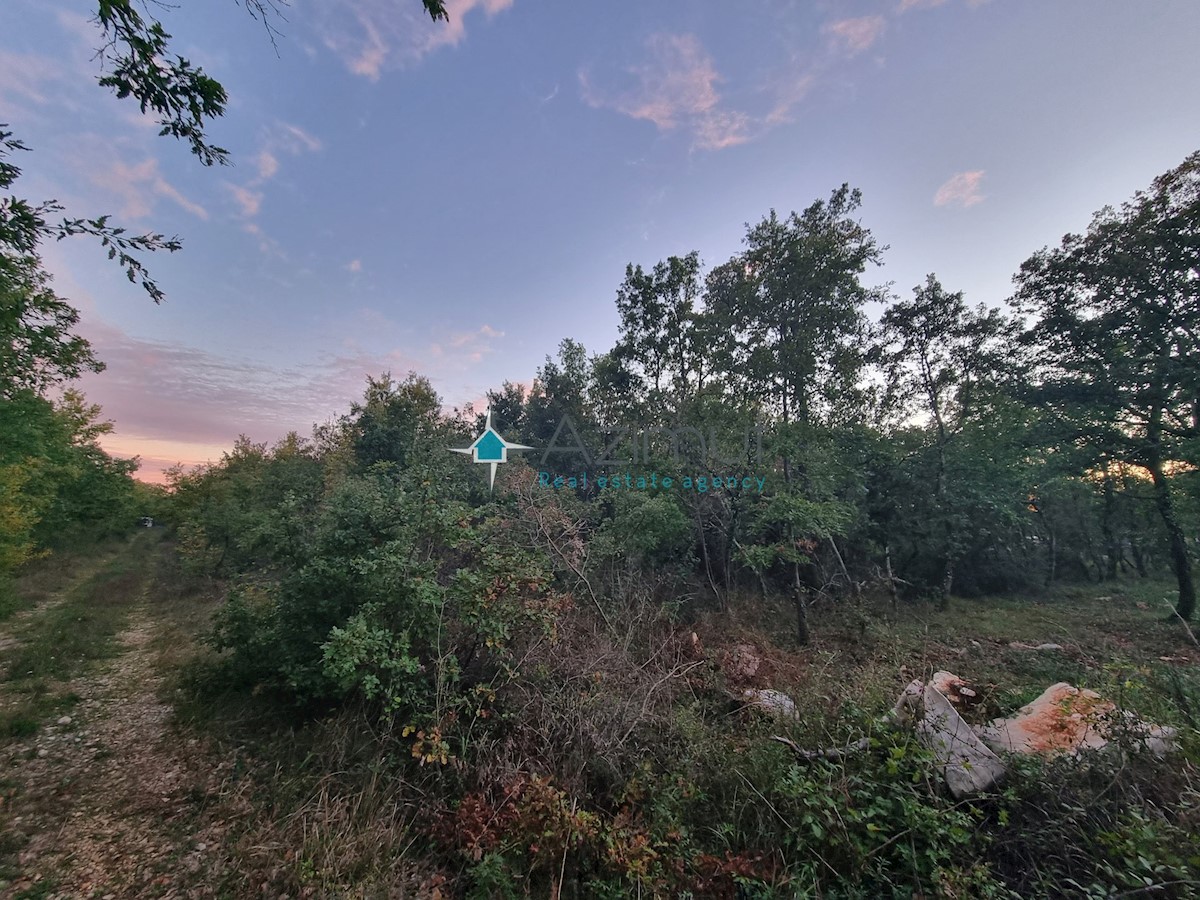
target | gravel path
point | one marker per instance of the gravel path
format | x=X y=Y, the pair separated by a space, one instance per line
x=108 y=800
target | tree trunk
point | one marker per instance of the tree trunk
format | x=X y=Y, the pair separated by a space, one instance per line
x=845 y=572
x=721 y=603
x=1106 y=528
x=798 y=597
x=947 y=584
x=1138 y=559
x=947 y=527
x=1179 y=555
x=887 y=559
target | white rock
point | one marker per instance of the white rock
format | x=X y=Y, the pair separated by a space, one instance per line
x=776 y=703
x=967 y=765
x=65 y=720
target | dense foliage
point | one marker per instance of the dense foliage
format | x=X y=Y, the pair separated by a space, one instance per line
x=55 y=480
x=526 y=650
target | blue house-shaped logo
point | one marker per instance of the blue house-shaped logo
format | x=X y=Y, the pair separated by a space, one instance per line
x=490 y=448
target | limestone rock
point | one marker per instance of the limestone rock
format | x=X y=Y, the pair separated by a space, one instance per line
x=1065 y=719
x=967 y=765
x=775 y=703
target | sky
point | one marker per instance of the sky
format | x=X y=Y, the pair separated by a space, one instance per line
x=456 y=198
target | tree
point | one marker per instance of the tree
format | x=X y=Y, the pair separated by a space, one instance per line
x=1117 y=331
x=54 y=475
x=658 y=324
x=394 y=420
x=938 y=354
x=793 y=301
x=37 y=346
x=562 y=388
x=800 y=315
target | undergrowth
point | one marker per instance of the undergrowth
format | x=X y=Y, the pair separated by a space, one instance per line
x=625 y=766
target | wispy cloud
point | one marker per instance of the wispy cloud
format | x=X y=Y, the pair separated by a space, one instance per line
x=676 y=87
x=267 y=163
x=907 y=5
x=278 y=139
x=853 y=36
x=291 y=138
x=25 y=77
x=469 y=346
x=175 y=403
x=789 y=91
x=178 y=403
x=960 y=190
x=140 y=186
x=372 y=36
x=248 y=200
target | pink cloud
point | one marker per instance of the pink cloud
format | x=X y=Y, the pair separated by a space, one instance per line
x=279 y=138
x=960 y=190
x=853 y=36
x=138 y=185
x=174 y=403
x=470 y=345
x=789 y=92
x=250 y=201
x=268 y=165
x=372 y=36
x=675 y=88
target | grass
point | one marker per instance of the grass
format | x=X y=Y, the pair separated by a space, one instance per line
x=42 y=579
x=82 y=603
x=1116 y=638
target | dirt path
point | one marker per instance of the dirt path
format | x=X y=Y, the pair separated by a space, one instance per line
x=45 y=599
x=108 y=800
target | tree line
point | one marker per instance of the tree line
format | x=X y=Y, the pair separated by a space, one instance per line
x=942 y=450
